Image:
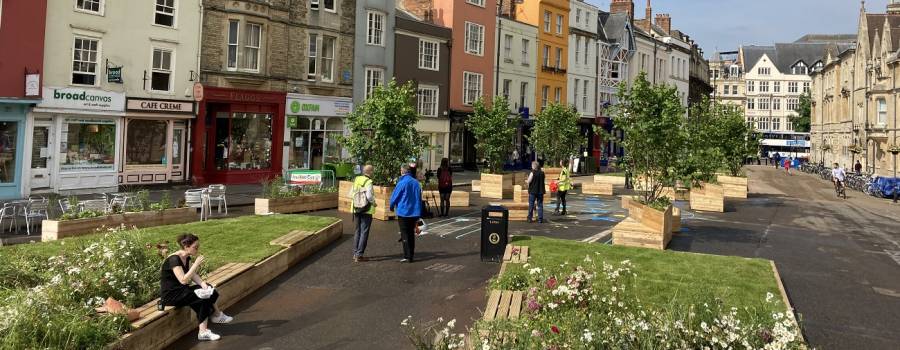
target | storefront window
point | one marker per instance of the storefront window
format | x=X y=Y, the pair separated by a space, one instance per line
x=244 y=141
x=314 y=142
x=89 y=144
x=8 y=138
x=335 y=129
x=146 y=142
x=457 y=134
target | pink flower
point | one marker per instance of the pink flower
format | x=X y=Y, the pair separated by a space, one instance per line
x=551 y=282
x=533 y=305
x=554 y=329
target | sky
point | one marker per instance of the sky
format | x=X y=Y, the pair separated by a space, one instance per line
x=723 y=25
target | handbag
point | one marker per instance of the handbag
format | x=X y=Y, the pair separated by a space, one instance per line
x=554 y=186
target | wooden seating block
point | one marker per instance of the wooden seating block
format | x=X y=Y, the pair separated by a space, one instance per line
x=497 y=186
x=603 y=189
x=607 y=179
x=503 y=304
x=517 y=211
x=515 y=254
x=708 y=198
x=476 y=185
x=632 y=233
x=676 y=219
x=291 y=238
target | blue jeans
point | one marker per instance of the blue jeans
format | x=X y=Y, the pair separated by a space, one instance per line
x=539 y=198
x=361 y=237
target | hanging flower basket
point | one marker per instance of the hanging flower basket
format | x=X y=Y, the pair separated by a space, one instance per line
x=856 y=149
x=894 y=149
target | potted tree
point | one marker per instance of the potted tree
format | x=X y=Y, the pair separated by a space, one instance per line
x=736 y=141
x=383 y=133
x=650 y=119
x=556 y=137
x=493 y=130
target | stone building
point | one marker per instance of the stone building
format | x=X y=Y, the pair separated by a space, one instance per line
x=727 y=78
x=517 y=78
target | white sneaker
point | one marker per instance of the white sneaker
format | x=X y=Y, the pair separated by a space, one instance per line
x=222 y=318
x=208 y=335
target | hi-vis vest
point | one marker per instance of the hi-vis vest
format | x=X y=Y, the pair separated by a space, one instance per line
x=358 y=184
x=565 y=181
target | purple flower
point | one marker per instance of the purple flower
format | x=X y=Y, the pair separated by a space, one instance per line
x=533 y=305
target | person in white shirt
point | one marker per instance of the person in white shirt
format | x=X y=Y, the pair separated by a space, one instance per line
x=837 y=175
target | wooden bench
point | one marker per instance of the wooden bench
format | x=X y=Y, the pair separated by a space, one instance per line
x=291 y=238
x=476 y=185
x=504 y=304
x=632 y=233
x=595 y=188
x=521 y=196
x=516 y=254
x=517 y=211
x=148 y=312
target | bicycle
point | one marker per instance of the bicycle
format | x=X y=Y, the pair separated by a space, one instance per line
x=872 y=189
x=839 y=189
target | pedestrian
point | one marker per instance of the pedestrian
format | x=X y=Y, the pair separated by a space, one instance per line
x=565 y=184
x=363 y=207
x=777 y=160
x=445 y=186
x=516 y=159
x=787 y=165
x=536 y=192
x=858 y=168
x=175 y=287
x=406 y=201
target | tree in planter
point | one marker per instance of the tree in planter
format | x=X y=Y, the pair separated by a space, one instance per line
x=650 y=118
x=493 y=131
x=556 y=135
x=700 y=157
x=735 y=140
x=383 y=131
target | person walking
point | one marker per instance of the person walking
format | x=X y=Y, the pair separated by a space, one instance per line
x=787 y=165
x=777 y=161
x=536 y=192
x=445 y=186
x=858 y=168
x=363 y=207
x=565 y=184
x=406 y=201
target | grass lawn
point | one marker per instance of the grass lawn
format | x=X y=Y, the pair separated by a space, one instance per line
x=666 y=278
x=240 y=239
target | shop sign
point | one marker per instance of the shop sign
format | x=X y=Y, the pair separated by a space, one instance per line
x=198 y=92
x=79 y=98
x=114 y=74
x=292 y=122
x=311 y=106
x=32 y=84
x=304 y=177
x=164 y=106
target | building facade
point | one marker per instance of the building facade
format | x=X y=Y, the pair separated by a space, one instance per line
x=551 y=19
x=616 y=49
x=116 y=104
x=21 y=71
x=373 y=54
x=727 y=79
x=582 y=78
x=517 y=79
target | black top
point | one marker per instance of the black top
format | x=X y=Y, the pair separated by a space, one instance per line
x=536 y=186
x=169 y=286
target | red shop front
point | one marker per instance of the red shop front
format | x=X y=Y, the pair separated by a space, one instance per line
x=237 y=137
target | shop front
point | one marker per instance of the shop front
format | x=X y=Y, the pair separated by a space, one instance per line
x=12 y=138
x=236 y=137
x=155 y=135
x=437 y=133
x=75 y=138
x=462 y=142
x=314 y=127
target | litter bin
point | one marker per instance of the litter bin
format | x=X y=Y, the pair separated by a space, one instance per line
x=494 y=232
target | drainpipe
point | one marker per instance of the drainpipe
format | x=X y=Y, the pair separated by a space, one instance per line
x=499 y=39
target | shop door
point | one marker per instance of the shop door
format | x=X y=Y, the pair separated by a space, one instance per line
x=41 y=156
x=178 y=149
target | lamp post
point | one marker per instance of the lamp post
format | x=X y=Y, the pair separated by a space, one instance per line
x=894 y=150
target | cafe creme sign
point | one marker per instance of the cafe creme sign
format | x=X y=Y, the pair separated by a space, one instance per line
x=159 y=106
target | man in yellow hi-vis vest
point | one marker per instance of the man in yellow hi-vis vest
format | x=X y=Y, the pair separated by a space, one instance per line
x=362 y=205
x=565 y=184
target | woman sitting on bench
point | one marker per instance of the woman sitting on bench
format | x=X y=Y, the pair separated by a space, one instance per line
x=175 y=288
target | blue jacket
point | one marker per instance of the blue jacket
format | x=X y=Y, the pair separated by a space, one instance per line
x=406 y=200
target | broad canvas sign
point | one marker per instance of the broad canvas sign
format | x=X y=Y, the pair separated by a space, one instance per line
x=79 y=98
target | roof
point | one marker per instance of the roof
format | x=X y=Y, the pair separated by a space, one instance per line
x=612 y=25
x=790 y=53
x=875 y=23
x=752 y=53
x=826 y=38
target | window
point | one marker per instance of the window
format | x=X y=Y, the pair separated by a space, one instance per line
x=89 y=145
x=805 y=87
x=233 y=26
x=146 y=142
x=476 y=2
x=882 y=111
x=793 y=104
x=474 y=38
x=374 y=79
x=545 y=95
x=428 y=54
x=165 y=13
x=547 y=21
x=559 y=23
x=312 y=56
x=765 y=71
x=546 y=55
x=776 y=86
x=734 y=89
x=587 y=18
x=587 y=50
x=584 y=96
x=314 y=4
x=764 y=123
x=575 y=100
x=725 y=90
x=375 y=29
x=244 y=141
x=792 y=87
x=764 y=104
x=558 y=58
x=751 y=86
x=507 y=47
x=764 y=86
x=329 y=5
x=799 y=68
x=428 y=101
x=95 y=6
x=751 y=104
x=776 y=123
x=577 y=15
x=557 y=95
x=523 y=89
x=251 y=46
x=472 y=88
x=525 y=59
x=8 y=153
x=84 y=61
x=161 y=72
x=506 y=86
x=578 y=49
x=328 y=58
x=776 y=104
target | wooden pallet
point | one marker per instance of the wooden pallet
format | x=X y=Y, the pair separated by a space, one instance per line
x=504 y=305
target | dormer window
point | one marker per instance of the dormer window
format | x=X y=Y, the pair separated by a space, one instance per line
x=800 y=68
x=818 y=66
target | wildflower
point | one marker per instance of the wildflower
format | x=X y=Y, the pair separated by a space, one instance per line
x=405 y=321
x=452 y=323
x=533 y=305
x=551 y=282
x=535 y=333
x=769 y=297
x=554 y=329
x=587 y=337
x=552 y=306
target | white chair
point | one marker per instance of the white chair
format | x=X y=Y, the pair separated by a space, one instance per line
x=217 y=194
x=9 y=213
x=197 y=198
x=36 y=210
x=64 y=205
x=97 y=205
x=120 y=201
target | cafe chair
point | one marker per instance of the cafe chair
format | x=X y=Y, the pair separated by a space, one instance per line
x=217 y=194
x=197 y=199
x=9 y=213
x=35 y=210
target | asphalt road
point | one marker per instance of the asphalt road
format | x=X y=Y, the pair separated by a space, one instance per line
x=839 y=259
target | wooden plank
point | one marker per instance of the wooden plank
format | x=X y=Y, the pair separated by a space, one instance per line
x=515 y=307
x=507 y=254
x=493 y=300
x=523 y=254
x=503 y=308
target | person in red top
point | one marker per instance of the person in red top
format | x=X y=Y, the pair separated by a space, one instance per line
x=787 y=165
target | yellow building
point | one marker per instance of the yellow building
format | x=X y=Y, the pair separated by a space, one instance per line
x=552 y=19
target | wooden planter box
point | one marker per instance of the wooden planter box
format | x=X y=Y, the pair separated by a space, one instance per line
x=676 y=219
x=304 y=203
x=517 y=211
x=519 y=178
x=550 y=175
x=521 y=196
x=709 y=197
x=735 y=187
x=644 y=227
x=52 y=230
x=159 y=329
x=382 y=200
x=597 y=188
x=497 y=186
x=476 y=185
x=607 y=179
x=457 y=198
x=676 y=194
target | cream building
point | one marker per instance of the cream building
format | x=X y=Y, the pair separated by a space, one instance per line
x=117 y=95
x=516 y=73
x=662 y=53
x=582 y=71
x=727 y=78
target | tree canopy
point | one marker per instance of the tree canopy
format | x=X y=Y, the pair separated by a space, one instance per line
x=494 y=131
x=556 y=135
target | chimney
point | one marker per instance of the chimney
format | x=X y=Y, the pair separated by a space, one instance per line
x=419 y=8
x=665 y=22
x=622 y=6
x=648 y=14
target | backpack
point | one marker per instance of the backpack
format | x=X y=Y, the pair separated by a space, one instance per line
x=360 y=201
x=444 y=178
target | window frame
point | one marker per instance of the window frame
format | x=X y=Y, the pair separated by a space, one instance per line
x=545 y=96
x=246 y=46
x=171 y=70
x=236 y=45
x=470 y=100
x=371 y=16
x=174 y=14
x=548 y=21
x=324 y=58
x=881 y=115
x=370 y=89
x=333 y=8
x=507 y=46
x=436 y=52
x=479 y=3
x=506 y=88
x=419 y=102
x=478 y=40
x=559 y=52
x=546 y=56
x=523 y=87
x=96 y=64
x=559 y=24
x=557 y=95
x=312 y=56
x=101 y=8
x=525 y=44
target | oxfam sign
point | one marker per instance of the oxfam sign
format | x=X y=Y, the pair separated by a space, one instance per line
x=298 y=107
x=76 y=98
x=318 y=106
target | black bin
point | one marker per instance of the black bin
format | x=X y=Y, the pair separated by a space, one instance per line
x=494 y=232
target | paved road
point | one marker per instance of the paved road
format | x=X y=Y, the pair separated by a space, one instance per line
x=840 y=262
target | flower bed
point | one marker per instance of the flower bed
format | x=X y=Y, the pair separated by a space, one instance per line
x=49 y=289
x=52 y=230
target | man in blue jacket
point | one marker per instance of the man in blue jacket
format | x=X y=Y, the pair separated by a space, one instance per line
x=406 y=201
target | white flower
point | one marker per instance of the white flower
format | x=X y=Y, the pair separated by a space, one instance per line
x=405 y=321
x=452 y=323
x=587 y=337
x=534 y=271
x=552 y=305
x=769 y=297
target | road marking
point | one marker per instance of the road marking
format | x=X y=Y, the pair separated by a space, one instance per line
x=468 y=233
x=459 y=229
x=597 y=237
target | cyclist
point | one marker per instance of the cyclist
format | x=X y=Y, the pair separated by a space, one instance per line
x=837 y=176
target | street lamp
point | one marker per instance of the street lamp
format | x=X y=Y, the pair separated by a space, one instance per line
x=894 y=149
